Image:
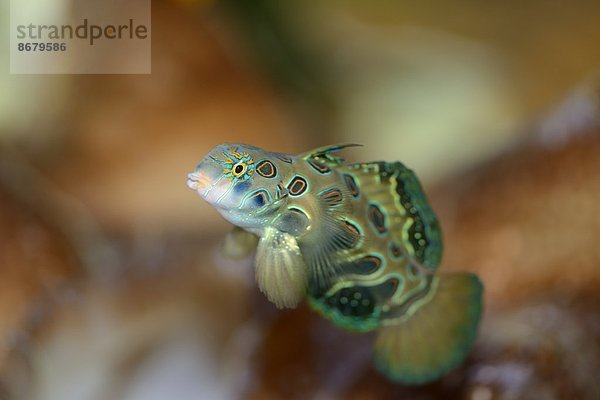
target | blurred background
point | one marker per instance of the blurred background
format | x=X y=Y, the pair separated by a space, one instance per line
x=112 y=285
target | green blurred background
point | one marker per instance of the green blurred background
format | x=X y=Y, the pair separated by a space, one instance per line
x=112 y=283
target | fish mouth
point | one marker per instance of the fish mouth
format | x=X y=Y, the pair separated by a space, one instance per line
x=197 y=181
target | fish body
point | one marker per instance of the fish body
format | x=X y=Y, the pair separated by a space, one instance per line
x=359 y=241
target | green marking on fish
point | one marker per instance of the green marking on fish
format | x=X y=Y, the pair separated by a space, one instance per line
x=359 y=241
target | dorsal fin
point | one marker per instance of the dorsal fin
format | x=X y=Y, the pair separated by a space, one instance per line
x=325 y=154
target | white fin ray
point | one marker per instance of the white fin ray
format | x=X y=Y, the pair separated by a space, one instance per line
x=280 y=270
x=326 y=249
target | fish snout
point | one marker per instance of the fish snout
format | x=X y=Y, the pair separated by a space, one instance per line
x=197 y=181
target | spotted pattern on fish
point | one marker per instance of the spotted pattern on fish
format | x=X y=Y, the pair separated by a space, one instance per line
x=320 y=167
x=352 y=186
x=297 y=185
x=365 y=265
x=377 y=218
x=332 y=196
x=284 y=157
x=266 y=169
x=359 y=240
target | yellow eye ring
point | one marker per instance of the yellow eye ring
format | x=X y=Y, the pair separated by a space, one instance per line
x=239 y=169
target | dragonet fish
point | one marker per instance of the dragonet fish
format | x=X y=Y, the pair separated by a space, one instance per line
x=359 y=241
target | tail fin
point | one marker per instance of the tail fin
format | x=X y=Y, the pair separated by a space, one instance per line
x=437 y=337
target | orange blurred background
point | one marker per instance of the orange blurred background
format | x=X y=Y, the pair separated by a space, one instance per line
x=113 y=286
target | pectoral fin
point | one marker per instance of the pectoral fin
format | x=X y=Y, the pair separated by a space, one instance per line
x=280 y=270
x=239 y=244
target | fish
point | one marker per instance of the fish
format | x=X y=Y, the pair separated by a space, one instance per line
x=358 y=241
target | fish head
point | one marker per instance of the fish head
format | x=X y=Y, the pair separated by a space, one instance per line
x=238 y=180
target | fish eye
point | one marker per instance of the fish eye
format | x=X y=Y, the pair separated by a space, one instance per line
x=239 y=169
x=236 y=166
